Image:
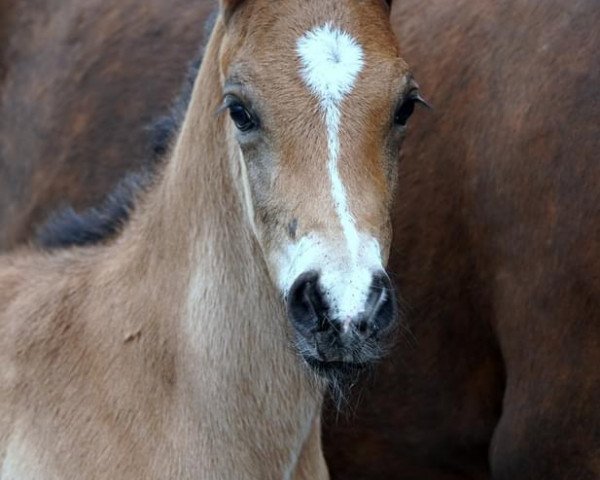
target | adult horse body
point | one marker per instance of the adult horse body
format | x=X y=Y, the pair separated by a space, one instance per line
x=165 y=354
x=495 y=242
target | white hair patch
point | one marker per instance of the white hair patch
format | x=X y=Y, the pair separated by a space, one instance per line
x=331 y=61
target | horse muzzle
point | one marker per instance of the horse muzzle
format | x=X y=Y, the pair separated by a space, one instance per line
x=329 y=340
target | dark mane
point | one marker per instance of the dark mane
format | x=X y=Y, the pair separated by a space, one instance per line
x=164 y=129
x=67 y=228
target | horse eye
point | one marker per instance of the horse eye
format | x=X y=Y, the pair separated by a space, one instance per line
x=241 y=117
x=404 y=111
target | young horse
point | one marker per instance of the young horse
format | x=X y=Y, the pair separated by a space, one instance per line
x=164 y=354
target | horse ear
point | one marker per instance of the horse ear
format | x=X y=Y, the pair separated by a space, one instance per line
x=228 y=7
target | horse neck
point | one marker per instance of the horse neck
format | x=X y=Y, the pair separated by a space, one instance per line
x=193 y=242
x=194 y=222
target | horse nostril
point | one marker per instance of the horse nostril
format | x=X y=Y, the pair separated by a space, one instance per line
x=306 y=305
x=381 y=305
x=363 y=326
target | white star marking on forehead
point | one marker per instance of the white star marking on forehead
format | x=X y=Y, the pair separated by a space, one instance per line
x=331 y=61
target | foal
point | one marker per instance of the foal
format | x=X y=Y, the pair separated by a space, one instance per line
x=165 y=354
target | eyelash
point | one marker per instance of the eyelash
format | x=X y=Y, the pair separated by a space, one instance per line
x=241 y=115
x=407 y=107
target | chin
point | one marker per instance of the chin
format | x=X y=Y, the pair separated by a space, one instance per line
x=336 y=369
x=340 y=377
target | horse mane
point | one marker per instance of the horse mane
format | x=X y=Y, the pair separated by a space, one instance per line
x=164 y=129
x=68 y=228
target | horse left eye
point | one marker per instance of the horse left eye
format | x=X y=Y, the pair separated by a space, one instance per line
x=404 y=111
x=407 y=108
x=241 y=117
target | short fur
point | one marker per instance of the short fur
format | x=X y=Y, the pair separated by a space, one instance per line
x=433 y=408
x=167 y=353
x=120 y=364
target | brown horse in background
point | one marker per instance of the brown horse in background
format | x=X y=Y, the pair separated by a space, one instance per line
x=108 y=70
x=496 y=249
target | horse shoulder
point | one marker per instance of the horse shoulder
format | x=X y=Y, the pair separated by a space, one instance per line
x=36 y=320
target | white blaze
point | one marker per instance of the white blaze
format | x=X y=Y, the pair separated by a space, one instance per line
x=331 y=61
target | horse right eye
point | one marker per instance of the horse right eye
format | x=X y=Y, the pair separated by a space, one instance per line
x=241 y=117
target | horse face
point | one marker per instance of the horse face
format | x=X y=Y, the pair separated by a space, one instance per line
x=318 y=99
